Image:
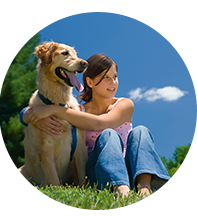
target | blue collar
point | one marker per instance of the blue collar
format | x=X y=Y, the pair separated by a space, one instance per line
x=49 y=102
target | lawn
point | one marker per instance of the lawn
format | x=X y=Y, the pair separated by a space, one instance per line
x=88 y=198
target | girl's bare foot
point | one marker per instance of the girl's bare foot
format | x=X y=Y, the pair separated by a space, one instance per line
x=123 y=189
x=144 y=192
x=143 y=184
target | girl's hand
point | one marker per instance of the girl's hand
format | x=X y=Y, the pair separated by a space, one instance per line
x=37 y=113
x=50 y=125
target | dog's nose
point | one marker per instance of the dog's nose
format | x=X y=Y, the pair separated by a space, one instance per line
x=84 y=63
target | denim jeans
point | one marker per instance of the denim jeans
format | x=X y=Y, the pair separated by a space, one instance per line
x=106 y=164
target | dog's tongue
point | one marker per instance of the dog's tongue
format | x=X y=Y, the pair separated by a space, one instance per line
x=75 y=82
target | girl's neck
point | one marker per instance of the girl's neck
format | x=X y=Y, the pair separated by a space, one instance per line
x=101 y=105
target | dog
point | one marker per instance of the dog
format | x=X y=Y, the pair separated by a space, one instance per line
x=48 y=159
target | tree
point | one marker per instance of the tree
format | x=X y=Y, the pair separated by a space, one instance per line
x=18 y=85
x=179 y=155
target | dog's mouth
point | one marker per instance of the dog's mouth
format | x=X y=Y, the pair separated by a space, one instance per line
x=69 y=78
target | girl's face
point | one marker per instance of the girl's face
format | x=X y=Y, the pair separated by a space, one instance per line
x=108 y=86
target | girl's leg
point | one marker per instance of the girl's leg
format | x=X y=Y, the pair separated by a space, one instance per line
x=106 y=165
x=143 y=163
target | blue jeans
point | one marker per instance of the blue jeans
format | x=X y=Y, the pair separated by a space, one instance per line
x=107 y=166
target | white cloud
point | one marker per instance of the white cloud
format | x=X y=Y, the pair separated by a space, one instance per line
x=168 y=93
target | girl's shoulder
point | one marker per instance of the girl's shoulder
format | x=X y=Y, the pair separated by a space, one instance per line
x=116 y=101
x=124 y=102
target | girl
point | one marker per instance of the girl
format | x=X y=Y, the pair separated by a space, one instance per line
x=118 y=155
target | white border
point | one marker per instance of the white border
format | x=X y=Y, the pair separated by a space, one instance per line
x=175 y=20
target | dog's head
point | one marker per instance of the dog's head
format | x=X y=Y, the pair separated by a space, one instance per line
x=61 y=63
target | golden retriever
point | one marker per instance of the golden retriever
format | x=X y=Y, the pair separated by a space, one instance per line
x=47 y=158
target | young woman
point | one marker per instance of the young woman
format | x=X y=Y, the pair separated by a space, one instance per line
x=118 y=155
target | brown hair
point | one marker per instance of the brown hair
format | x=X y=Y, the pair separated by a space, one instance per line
x=97 y=64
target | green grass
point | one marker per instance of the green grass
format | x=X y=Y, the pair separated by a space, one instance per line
x=88 y=198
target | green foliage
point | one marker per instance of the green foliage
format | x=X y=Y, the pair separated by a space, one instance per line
x=178 y=157
x=18 y=85
x=89 y=198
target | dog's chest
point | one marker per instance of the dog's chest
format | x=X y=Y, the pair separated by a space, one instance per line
x=61 y=143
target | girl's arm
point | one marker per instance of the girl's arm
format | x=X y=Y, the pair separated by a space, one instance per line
x=120 y=114
x=50 y=125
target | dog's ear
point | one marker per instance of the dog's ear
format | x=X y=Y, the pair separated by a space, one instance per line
x=45 y=52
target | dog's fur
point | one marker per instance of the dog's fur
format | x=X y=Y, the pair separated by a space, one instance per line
x=47 y=158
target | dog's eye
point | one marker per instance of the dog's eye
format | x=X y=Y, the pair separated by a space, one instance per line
x=65 y=53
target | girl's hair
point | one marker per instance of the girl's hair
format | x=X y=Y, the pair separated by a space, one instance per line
x=97 y=64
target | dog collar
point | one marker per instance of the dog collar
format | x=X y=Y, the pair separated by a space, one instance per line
x=48 y=102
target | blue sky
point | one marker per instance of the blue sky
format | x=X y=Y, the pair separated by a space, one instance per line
x=150 y=72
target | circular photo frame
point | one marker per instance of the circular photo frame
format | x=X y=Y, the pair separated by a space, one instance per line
x=150 y=73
